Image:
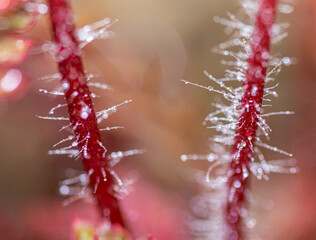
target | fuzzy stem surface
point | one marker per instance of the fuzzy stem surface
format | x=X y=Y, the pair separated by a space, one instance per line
x=249 y=120
x=81 y=111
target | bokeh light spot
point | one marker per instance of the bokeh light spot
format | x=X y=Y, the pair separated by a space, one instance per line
x=11 y=80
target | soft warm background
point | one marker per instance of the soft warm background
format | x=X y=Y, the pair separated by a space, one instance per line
x=158 y=43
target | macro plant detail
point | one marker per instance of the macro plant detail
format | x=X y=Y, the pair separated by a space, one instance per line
x=241 y=123
x=81 y=112
x=99 y=180
x=144 y=62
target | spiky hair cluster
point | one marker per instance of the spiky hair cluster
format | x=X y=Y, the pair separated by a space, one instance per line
x=240 y=120
x=98 y=181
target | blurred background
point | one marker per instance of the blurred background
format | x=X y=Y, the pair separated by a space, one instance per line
x=157 y=44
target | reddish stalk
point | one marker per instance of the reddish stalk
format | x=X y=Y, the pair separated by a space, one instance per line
x=81 y=112
x=242 y=151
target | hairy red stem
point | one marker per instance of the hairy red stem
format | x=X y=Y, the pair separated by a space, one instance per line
x=243 y=150
x=81 y=112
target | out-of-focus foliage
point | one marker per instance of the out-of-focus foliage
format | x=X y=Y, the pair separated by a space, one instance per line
x=84 y=230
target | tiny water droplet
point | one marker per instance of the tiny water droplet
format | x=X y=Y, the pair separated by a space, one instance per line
x=286 y=61
x=251 y=223
x=84 y=115
x=64 y=190
x=237 y=184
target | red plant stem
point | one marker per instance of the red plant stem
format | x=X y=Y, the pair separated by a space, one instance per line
x=81 y=112
x=242 y=151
